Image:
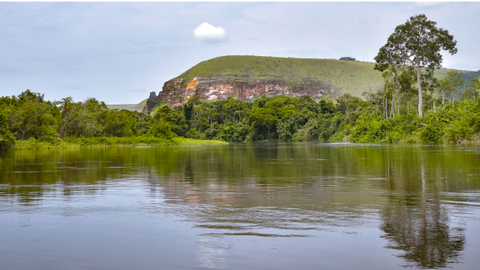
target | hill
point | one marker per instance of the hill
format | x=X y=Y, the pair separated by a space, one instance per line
x=247 y=77
x=132 y=107
x=347 y=76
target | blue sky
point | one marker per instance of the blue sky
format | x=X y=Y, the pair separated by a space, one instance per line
x=119 y=52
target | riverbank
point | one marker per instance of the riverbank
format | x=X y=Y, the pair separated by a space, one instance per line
x=108 y=141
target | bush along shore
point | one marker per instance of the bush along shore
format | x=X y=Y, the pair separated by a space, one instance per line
x=27 y=121
x=73 y=142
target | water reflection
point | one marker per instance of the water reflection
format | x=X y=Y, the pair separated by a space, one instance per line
x=423 y=232
x=274 y=191
x=414 y=220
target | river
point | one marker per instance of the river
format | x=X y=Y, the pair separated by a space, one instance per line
x=241 y=206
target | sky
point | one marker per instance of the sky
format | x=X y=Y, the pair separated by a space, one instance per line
x=120 y=52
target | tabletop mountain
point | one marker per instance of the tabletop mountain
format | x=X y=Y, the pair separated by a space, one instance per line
x=249 y=77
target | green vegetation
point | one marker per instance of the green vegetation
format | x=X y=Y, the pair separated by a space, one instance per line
x=131 y=107
x=30 y=122
x=350 y=77
x=7 y=139
x=32 y=143
x=27 y=121
x=349 y=119
x=416 y=45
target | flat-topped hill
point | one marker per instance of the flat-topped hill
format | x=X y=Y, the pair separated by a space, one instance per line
x=347 y=76
x=248 y=77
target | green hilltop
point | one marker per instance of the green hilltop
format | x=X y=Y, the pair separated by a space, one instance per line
x=131 y=107
x=351 y=77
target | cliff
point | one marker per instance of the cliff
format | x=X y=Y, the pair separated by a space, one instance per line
x=249 y=77
x=177 y=92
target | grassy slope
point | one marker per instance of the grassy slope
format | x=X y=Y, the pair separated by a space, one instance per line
x=131 y=107
x=351 y=77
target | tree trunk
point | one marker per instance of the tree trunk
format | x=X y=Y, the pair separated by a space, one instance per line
x=348 y=115
x=434 y=107
x=420 y=99
x=385 y=103
x=392 y=113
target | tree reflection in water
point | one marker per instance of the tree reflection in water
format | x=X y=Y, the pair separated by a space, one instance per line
x=423 y=233
x=268 y=190
x=416 y=221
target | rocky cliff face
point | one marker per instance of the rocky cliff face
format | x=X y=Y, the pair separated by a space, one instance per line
x=245 y=87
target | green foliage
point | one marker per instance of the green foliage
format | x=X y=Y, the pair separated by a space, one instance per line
x=292 y=71
x=473 y=89
x=73 y=142
x=450 y=85
x=120 y=123
x=432 y=130
x=367 y=129
x=30 y=116
x=462 y=122
x=7 y=139
x=352 y=77
x=161 y=129
x=41 y=124
x=82 y=119
x=417 y=43
x=176 y=118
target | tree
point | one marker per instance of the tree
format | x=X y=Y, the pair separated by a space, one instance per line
x=32 y=116
x=473 y=89
x=161 y=129
x=416 y=43
x=7 y=139
x=391 y=78
x=450 y=85
x=347 y=58
x=82 y=119
x=120 y=123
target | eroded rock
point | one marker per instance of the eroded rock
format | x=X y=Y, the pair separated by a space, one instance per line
x=177 y=92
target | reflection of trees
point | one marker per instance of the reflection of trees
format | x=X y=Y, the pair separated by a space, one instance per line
x=247 y=188
x=415 y=221
x=422 y=232
x=27 y=176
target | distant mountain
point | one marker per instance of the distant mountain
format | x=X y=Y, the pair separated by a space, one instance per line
x=248 y=77
x=132 y=107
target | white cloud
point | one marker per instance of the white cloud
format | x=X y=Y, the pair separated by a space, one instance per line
x=209 y=33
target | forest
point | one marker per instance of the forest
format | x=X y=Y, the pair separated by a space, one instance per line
x=387 y=115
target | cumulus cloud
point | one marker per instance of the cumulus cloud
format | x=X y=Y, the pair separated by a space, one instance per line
x=209 y=33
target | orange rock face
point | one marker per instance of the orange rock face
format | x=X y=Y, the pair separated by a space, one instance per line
x=177 y=92
x=192 y=83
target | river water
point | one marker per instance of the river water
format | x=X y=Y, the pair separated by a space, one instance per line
x=241 y=206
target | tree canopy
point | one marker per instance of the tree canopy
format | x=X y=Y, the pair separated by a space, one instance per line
x=418 y=44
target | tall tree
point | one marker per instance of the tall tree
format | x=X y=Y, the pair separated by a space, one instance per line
x=416 y=43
